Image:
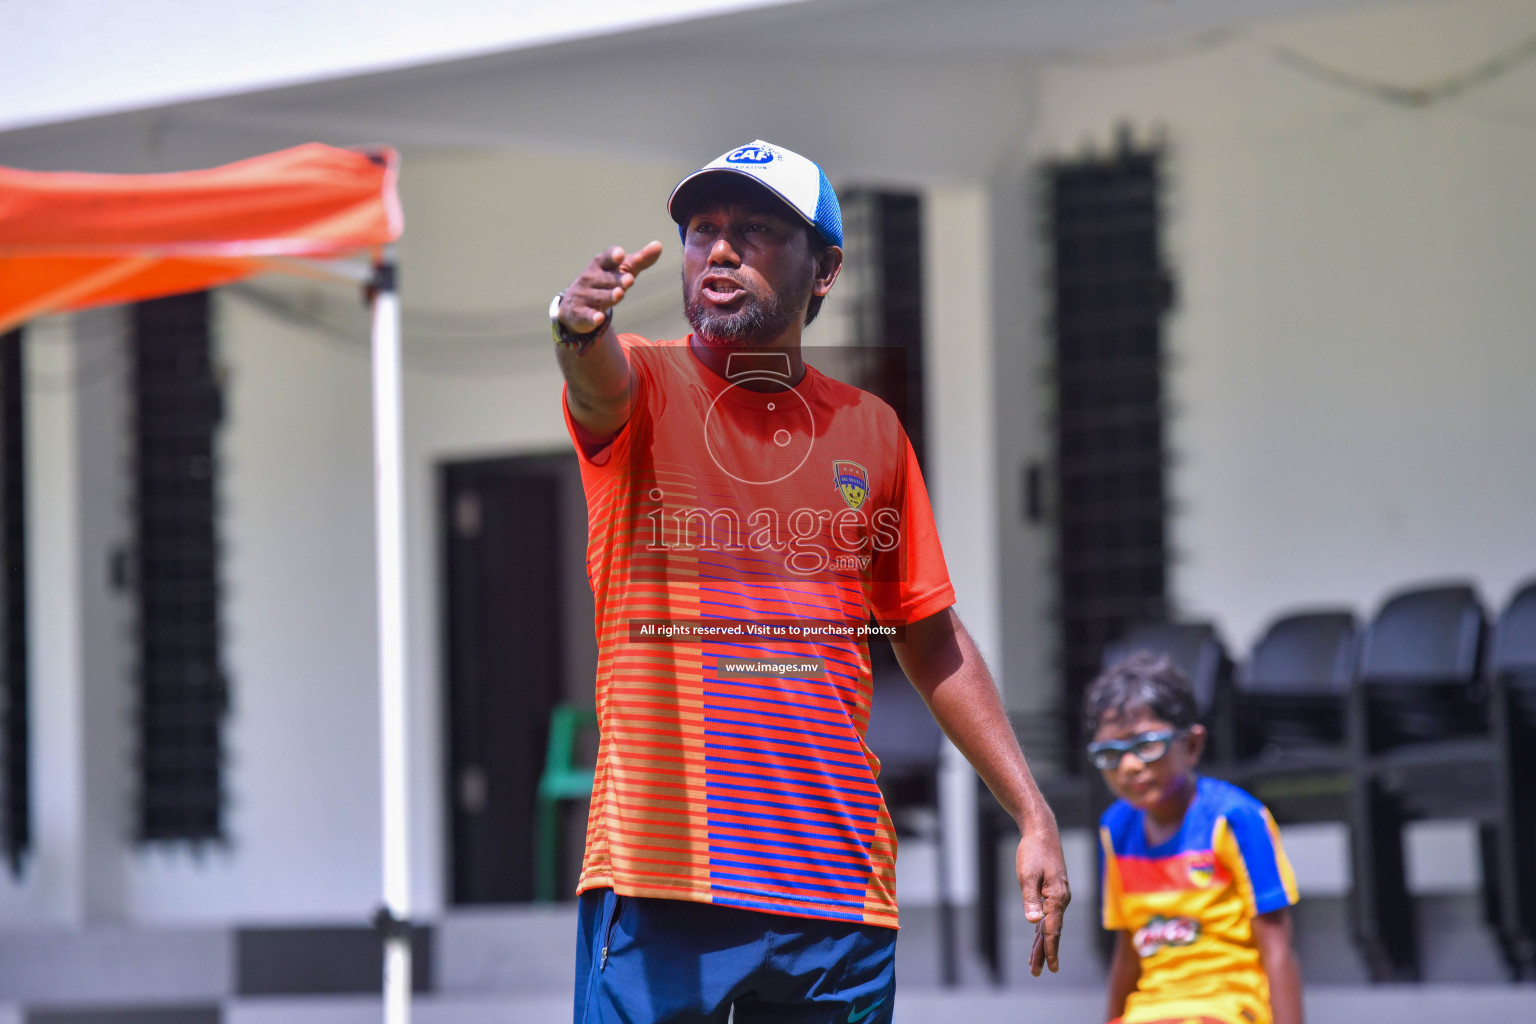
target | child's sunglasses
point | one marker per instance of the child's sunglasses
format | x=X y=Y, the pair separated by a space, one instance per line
x=1148 y=747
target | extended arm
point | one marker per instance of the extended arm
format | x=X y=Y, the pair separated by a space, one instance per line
x=1124 y=973
x=1272 y=934
x=942 y=661
x=598 y=382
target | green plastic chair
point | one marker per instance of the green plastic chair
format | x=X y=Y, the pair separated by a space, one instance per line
x=563 y=779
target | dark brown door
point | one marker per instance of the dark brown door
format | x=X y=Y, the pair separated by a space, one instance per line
x=503 y=522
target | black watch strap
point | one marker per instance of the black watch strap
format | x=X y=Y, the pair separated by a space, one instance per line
x=567 y=338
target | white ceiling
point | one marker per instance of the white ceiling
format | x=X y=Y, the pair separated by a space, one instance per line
x=67 y=59
x=881 y=88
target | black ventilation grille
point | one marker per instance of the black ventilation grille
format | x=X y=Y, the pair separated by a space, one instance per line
x=181 y=686
x=884 y=238
x=15 y=788
x=1109 y=291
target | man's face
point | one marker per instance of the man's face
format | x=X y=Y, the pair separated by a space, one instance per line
x=748 y=268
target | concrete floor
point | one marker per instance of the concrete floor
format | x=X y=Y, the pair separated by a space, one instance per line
x=1333 y=1004
x=514 y=965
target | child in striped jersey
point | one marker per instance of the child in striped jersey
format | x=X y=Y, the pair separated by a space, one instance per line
x=1194 y=878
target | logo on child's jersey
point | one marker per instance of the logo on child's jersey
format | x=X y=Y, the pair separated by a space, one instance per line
x=1165 y=931
x=852 y=482
x=750 y=155
x=1202 y=871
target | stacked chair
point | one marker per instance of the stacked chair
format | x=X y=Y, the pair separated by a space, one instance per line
x=909 y=743
x=1512 y=704
x=1286 y=718
x=1423 y=714
x=1420 y=749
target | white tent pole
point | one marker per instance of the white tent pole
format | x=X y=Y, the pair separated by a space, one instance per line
x=389 y=497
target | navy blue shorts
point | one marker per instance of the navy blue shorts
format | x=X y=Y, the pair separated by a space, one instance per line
x=650 y=961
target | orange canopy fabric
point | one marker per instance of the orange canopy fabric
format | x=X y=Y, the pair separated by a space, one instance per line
x=69 y=240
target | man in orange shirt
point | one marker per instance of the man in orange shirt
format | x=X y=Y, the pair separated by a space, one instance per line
x=748 y=517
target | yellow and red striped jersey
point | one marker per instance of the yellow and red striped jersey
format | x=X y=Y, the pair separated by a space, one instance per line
x=1189 y=904
x=739 y=539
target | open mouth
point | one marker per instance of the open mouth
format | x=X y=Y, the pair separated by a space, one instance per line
x=721 y=291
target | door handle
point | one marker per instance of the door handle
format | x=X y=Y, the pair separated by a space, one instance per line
x=473 y=789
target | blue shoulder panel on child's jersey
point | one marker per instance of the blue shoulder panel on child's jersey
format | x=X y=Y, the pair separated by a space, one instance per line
x=1256 y=845
x=1214 y=799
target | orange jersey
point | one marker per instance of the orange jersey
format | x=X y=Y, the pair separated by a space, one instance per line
x=739 y=541
x=1190 y=902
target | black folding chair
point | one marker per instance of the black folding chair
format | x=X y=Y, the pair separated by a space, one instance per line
x=1512 y=714
x=1286 y=719
x=1420 y=748
x=909 y=744
x=1040 y=736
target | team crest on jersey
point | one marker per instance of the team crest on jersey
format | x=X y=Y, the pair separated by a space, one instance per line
x=750 y=155
x=1161 y=932
x=852 y=482
x=1202 y=871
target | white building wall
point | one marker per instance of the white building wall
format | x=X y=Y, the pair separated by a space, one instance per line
x=489 y=237
x=1351 y=354
x=1020 y=393
x=492 y=237
x=957 y=367
x=103 y=420
x=79 y=503
x=297 y=530
x=498 y=234
x=50 y=892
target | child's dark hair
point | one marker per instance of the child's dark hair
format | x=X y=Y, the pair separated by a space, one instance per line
x=1140 y=681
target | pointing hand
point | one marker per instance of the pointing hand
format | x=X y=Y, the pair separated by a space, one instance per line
x=603 y=285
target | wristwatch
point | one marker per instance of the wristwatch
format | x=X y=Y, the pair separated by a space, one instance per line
x=568 y=338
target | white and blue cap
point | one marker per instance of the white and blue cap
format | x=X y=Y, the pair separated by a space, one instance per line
x=799 y=182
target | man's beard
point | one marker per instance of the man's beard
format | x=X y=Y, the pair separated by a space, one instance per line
x=757 y=322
